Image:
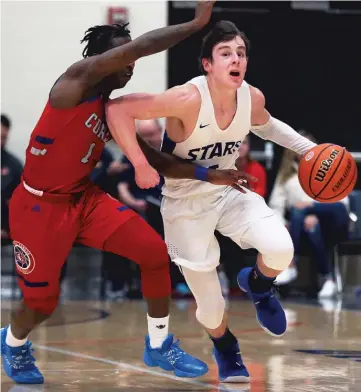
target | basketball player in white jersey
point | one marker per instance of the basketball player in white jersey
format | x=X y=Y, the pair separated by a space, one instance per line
x=207 y=119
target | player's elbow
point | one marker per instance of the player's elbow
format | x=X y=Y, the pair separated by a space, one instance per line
x=114 y=109
x=117 y=113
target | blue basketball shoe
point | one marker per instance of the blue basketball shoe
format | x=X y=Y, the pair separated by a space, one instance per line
x=18 y=362
x=270 y=314
x=230 y=365
x=171 y=357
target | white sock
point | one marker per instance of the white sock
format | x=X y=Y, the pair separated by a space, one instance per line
x=12 y=341
x=158 y=330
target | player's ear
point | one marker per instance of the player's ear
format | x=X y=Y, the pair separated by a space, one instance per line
x=207 y=64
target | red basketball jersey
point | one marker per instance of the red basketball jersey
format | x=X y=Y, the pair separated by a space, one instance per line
x=65 y=146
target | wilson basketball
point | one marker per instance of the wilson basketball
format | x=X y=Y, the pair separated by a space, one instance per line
x=327 y=173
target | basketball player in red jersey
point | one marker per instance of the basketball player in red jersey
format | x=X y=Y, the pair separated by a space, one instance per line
x=56 y=205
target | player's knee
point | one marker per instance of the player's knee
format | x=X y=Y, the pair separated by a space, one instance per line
x=210 y=311
x=154 y=255
x=45 y=306
x=279 y=255
x=154 y=266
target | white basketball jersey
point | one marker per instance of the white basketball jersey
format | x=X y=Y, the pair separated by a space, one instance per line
x=208 y=145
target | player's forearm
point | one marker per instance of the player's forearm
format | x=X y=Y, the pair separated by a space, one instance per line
x=122 y=128
x=174 y=167
x=161 y=39
x=166 y=164
x=282 y=134
x=154 y=41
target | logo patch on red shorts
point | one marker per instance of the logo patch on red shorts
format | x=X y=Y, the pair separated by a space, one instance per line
x=24 y=259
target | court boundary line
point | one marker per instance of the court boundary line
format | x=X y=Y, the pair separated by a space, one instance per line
x=134 y=368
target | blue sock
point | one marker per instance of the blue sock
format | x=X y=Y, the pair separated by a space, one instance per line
x=259 y=283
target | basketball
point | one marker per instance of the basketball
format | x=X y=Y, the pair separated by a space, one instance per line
x=327 y=173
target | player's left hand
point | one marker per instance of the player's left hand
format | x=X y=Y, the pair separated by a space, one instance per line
x=235 y=178
x=146 y=177
x=203 y=12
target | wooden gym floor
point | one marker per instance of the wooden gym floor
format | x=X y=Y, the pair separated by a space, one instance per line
x=92 y=346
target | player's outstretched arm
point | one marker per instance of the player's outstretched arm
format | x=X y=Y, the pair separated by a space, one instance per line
x=81 y=76
x=269 y=128
x=147 y=44
x=122 y=112
x=174 y=167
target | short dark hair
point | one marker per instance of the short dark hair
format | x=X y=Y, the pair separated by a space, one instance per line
x=5 y=121
x=99 y=38
x=222 y=31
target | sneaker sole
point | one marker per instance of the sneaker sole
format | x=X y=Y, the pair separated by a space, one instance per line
x=31 y=382
x=236 y=379
x=233 y=379
x=180 y=373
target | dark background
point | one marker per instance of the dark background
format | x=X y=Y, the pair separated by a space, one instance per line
x=307 y=63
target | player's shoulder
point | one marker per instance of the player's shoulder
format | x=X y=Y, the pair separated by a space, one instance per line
x=186 y=89
x=186 y=94
x=257 y=97
x=70 y=87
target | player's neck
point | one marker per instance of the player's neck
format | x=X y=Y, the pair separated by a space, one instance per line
x=223 y=98
x=96 y=92
x=100 y=89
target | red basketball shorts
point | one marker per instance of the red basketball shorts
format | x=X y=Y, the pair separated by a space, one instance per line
x=44 y=231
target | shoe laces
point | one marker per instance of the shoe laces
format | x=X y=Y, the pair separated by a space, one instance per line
x=22 y=359
x=175 y=353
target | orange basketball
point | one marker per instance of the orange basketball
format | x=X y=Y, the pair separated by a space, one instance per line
x=327 y=173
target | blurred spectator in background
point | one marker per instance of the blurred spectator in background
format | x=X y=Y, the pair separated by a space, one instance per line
x=246 y=164
x=322 y=224
x=99 y=175
x=11 y=170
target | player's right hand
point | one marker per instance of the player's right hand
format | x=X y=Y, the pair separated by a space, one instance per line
x=146 y=177
x=203 y=12
x=235 y=178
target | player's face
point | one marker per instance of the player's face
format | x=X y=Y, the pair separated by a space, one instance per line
x=122 y=77
x=229 y=63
